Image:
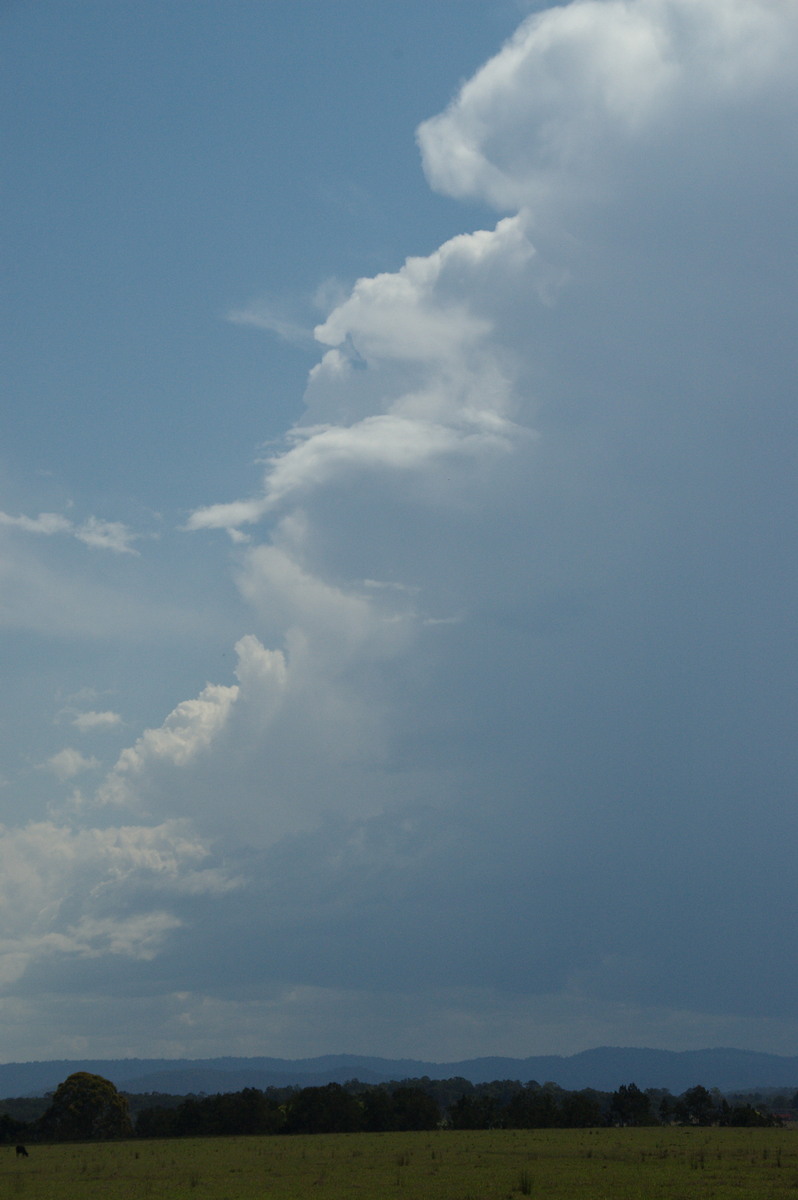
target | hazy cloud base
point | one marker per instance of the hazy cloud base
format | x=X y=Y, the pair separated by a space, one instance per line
x=508 y=765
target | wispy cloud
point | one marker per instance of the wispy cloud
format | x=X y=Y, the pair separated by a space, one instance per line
x=86 y=721
x=69 y=893
x=264 y=314
x=94 y=532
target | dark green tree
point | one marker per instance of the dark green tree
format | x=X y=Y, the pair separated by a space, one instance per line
x=580 y=1110
x=413 y=1109
x=535 y=1107
x=251 y=1111
x=378 y=1111
x=86 y=1108
x=744 y=1114
x=12 y=1130
x=630 y=1106
x=475 y=1111
x=696 y=1107
x=667 y=1108
x=158 y=1122
x=327 y=1109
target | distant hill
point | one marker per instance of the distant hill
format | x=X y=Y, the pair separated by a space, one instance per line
x=605 y=1068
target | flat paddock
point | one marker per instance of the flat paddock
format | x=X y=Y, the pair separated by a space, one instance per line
x=602 y=1164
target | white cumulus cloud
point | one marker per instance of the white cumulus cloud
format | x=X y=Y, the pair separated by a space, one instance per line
x=187 y=732
x=70 y=762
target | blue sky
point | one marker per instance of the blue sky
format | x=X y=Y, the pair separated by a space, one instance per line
x=397 y=504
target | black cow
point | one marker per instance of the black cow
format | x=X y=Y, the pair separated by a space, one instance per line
x=21 y=1152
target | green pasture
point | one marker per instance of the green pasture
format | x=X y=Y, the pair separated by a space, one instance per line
x=601 y=1164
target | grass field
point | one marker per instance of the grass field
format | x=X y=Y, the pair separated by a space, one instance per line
x=602 y=1164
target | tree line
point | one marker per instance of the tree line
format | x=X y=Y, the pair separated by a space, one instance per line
x=87 y=1107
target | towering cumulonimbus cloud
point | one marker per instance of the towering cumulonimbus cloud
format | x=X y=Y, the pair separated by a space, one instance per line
x=558 y=446
x=514 y=713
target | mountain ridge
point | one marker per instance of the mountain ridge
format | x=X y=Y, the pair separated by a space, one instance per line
x=604 y=1068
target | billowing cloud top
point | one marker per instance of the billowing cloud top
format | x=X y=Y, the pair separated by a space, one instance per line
x=583 y=93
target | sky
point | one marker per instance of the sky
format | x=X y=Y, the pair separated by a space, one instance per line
x=397 y=527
